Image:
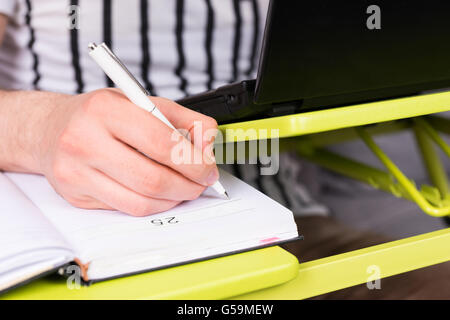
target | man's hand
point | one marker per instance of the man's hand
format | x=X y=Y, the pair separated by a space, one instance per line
x=92 y=150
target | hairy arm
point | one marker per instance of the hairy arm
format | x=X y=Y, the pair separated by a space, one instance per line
x=24 y=118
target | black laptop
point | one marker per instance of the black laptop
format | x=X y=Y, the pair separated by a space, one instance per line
x=329 y=53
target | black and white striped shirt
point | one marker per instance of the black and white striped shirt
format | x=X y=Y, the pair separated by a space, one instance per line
x=174 y=47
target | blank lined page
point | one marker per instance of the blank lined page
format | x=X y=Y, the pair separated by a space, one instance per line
x=29 y=243
x=206 y=226
x=22 y=225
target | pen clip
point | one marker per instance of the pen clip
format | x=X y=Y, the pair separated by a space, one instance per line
x=93 y=46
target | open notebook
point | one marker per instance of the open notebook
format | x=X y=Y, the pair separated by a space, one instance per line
x=40 y=232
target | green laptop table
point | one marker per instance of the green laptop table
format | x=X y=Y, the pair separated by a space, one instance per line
x=273 y=273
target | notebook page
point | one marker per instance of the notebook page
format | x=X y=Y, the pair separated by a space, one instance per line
x=26 y=236
x=22 y=226
x=207 y=222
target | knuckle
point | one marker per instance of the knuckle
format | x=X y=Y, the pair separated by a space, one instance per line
x=94 y=105
x=153 y=183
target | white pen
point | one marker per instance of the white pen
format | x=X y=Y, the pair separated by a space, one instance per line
x=129 y=85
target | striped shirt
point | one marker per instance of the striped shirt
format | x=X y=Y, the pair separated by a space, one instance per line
x=174 y=47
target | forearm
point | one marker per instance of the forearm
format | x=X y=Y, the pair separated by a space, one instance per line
x=23 y=124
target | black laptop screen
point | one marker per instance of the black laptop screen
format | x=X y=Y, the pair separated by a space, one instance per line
x=352 y=50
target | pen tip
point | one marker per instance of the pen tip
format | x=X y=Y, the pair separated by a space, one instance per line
x=226 y=195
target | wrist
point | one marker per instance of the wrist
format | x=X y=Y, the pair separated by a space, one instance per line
x=26 y=128
x=44 y=127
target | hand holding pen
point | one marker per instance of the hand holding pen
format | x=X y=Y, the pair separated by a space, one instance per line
x=129 y=85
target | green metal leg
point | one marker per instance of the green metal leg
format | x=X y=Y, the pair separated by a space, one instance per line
x=425 y=126
x=435 y=169
x=433 y=200
x=377 y=178
x=441 y=210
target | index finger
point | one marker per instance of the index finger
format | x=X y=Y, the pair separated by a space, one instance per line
x=141 y=130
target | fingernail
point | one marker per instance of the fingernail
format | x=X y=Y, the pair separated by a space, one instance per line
x=213 y=177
